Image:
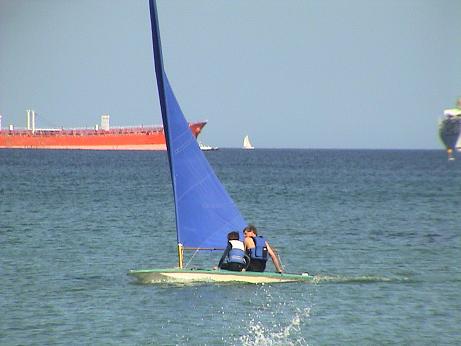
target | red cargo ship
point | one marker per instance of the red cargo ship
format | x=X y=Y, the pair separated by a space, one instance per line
x=134 y=138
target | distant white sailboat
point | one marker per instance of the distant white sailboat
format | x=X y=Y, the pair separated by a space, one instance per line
x=247 y=144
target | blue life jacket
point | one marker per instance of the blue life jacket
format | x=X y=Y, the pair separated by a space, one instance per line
x=259 y=252
x=236 y=253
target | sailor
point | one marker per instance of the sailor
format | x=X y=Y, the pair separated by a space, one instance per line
x=257 y=249
x=234 y=257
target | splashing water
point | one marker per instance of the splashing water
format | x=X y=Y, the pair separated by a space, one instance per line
x=260 y=335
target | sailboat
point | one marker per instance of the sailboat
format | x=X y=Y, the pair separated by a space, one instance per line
x=205 y=213
x=247 y=144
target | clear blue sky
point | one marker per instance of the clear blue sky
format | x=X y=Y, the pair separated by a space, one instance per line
x=290 y=73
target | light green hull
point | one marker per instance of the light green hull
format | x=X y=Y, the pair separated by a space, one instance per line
x=176 y=275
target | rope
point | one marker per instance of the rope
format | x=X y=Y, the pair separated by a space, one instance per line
x=191 y=258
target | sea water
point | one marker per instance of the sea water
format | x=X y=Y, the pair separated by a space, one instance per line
x=380 y=230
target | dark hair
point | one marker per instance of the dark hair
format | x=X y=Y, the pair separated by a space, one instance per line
x=251 y=228
x=233 y=236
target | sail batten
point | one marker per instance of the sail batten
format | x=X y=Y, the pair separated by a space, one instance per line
x=205 y=213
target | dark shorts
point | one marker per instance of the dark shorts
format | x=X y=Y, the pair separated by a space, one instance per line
x=235 y=267
x=256 y=266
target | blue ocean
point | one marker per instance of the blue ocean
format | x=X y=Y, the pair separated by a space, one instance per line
x=379 y=229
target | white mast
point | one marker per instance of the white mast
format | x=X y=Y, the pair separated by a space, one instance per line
x=33 y=121
x=28 y=118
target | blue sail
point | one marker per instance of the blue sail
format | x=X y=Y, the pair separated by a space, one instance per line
x=205 y=213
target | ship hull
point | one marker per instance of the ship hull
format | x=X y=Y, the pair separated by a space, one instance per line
x=149 y=138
